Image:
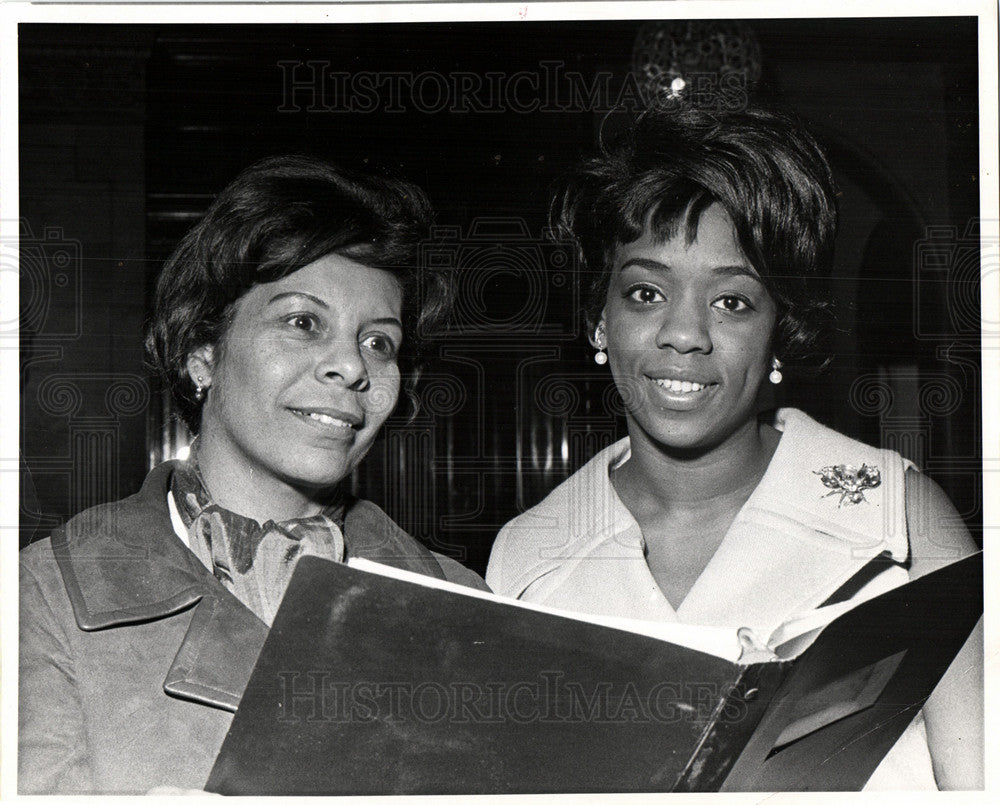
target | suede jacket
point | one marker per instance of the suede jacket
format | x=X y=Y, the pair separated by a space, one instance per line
x=133 y=657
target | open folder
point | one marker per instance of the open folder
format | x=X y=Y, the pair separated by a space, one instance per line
x=386 y=684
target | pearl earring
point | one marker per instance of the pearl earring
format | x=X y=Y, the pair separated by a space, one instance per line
x=600 y=341
x=775 y=376
x=199 y=389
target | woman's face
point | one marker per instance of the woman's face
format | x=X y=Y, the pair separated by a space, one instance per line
x=306 y=374
x=688 y=335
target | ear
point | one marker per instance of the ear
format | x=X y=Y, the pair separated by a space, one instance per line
x=201 y=364
x=592 y=336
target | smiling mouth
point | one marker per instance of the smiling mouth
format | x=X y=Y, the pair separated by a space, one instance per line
x=326 y=419
x=675 y=386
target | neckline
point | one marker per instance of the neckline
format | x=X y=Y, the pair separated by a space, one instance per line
x=782 y=418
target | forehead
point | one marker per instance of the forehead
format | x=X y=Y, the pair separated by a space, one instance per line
x=715 y=244
x=340 y=283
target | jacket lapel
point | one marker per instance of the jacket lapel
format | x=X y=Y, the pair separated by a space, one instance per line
x=122 y=563
x=218 y=653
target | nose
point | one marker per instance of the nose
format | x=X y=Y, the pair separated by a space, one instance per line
x=342 y=363
x=685 y=327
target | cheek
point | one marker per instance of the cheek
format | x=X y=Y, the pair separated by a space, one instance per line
x=628 y=334
x=381 y=398
x=259 y=370
x=755 y=350
x=630 y=386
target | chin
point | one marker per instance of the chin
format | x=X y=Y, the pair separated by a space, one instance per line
x=318 y=473
x=680 y=443
x=683 y=436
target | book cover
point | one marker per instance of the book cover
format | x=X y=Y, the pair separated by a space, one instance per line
x=370 y=684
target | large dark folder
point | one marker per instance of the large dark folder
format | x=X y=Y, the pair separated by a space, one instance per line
x=373 y=685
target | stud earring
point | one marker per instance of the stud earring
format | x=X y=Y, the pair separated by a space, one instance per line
x=775 y=376
x=199 y=389
x=600 y=341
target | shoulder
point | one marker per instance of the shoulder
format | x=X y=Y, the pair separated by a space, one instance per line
x=373 y=534
x=136 y=514
x=115 y=562
x=938 y=534
x=36 y=554
x=570 y=515
x=45 y=611
x=39 y=571
x=814 y=443
x=86 y=534
x=831 y=484
x=808 y=446
x=934 y=531
x=459 y=573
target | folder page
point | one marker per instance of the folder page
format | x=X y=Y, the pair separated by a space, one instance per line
x=717 y=641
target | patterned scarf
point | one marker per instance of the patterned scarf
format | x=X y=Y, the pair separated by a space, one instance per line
x=253 y=561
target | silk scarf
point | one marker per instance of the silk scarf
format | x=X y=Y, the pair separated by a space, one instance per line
x=253 y=561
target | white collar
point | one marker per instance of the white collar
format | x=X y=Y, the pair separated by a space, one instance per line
x=176 y=521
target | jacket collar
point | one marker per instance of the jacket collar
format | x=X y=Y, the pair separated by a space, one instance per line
x=787 y=519
x=122 y=563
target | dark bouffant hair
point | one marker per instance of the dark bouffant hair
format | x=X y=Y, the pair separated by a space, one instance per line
x=276 y=217
x=766 y=171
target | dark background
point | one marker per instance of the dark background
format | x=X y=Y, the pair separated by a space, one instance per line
x=126 y=132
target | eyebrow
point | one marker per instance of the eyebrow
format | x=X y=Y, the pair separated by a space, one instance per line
x=388 y=320
x=285 y=294
x=733 y=270
x=313 y=298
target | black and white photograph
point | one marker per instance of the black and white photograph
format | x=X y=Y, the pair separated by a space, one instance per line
x=566 y=398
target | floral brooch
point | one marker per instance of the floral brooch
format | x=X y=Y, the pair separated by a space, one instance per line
x=849 y=481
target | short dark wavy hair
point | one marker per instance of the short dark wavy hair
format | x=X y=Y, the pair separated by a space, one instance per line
x=763 y=167
x=276 y=217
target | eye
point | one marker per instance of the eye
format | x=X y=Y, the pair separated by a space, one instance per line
x=645 y=294
x=306 y=322
x=732 y=303
x=381 y=345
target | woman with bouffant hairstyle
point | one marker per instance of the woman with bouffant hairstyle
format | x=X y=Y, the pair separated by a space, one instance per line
x=667 y=170
x=283 y=325
x=706 y=238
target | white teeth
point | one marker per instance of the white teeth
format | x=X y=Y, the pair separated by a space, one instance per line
x=679 y=386
x=326 y=420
